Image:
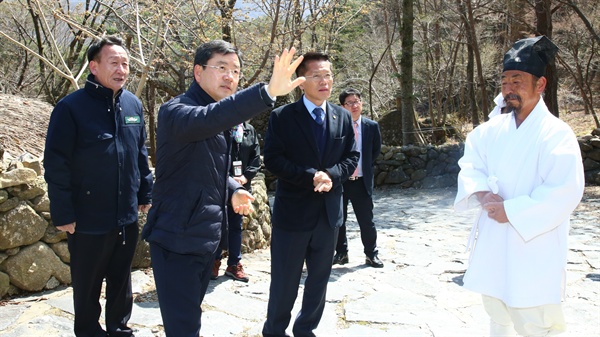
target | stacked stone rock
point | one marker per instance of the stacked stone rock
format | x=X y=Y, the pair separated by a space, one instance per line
x=437 y=166
x=418 y=166
x=257 y=226
x=590 y=151
x=34 y=256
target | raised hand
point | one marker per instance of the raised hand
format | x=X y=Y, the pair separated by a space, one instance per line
x=283 y=69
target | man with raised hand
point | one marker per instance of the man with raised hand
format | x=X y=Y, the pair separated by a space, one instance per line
x=193 y=187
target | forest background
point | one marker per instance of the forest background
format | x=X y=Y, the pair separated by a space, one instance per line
x=430 y=67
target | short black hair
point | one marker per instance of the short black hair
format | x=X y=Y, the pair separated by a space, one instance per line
x=207 y=50
x=308 y=57
x=348 y=92
x=93 y=53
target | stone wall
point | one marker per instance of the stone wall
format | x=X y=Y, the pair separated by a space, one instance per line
x=437 y=166
x=34 y=255
x=418 y=166
x=257 y=226
x=590 y=152
x=412 y=166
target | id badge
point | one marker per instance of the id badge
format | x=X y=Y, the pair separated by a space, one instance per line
x=237 y=168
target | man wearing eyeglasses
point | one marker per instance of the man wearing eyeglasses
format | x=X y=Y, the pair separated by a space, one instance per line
x=193 y=188
x=309 y=146
x=358 y=189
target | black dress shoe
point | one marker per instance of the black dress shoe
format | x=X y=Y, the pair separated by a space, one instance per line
x=374 y=261
x=340 y=258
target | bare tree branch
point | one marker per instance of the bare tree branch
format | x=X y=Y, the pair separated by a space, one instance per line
x=583 y=18
x=45 y=60
x=70 y=76
x=147 y=65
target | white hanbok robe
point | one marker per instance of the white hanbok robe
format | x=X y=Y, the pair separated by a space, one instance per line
x=538 y=171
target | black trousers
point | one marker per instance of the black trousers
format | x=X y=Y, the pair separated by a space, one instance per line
x=181 y=283
x=362 y=203
x=95 y=257
x=289 y=252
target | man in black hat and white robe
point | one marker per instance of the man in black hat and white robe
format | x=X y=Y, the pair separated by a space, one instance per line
x=523 y=170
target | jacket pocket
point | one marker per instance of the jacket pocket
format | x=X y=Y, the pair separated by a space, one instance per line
x=100 y=137
x=195 y=211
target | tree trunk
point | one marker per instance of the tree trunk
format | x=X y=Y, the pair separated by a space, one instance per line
x=475 y=45
x=470 y=65
x=543 y=13
x=40 y=49
x=406 y=76
x=471 y=87
x=226 y=8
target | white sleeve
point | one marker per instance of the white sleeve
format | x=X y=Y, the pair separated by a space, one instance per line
x=473 y=175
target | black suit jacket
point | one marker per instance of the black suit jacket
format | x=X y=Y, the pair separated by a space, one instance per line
x=370 y=150
x=291 y=154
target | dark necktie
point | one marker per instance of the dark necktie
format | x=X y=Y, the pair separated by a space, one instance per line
x=355 y=124
x=319 y=129
x=318 y=112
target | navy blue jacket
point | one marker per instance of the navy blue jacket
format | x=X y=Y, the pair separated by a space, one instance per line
x=193 y=186
x=95 y=159
x=291 y=153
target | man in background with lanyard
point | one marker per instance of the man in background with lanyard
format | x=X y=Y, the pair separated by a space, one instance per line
x=245 y=156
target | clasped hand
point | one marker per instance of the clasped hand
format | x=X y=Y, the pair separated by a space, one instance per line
x=494 y=205
x=322 y=182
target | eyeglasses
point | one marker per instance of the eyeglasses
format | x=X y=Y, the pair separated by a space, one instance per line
x=319 y=78
x=235 y=73
x=352 y=103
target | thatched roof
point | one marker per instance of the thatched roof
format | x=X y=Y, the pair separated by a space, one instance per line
x=23 y=125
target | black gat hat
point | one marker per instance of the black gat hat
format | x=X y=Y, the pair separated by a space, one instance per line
x=530 y=55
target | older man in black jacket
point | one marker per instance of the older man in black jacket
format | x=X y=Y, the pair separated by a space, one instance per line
x=96 y=167
x=193 y=186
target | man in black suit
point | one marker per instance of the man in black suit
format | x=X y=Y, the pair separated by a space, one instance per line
x=358 y=189
x=309 y=146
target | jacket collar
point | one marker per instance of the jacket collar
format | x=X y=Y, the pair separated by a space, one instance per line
x=94 y=88
x=196 y=93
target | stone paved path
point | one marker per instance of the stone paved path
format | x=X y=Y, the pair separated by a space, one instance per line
x=418 y=292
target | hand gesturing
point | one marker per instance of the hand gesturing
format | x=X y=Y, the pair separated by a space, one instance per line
x=283 y=69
